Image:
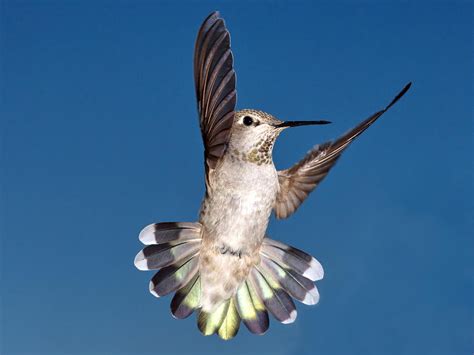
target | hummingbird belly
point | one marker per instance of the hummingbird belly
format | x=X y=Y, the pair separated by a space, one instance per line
x=234 y=219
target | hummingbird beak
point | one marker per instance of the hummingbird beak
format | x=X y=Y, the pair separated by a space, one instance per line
x=300 y=123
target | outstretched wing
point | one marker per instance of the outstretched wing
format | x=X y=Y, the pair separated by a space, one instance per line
x=214 y=78
x=298 y=181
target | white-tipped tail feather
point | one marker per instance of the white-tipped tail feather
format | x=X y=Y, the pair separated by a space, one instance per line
x=140 y=261
x=293 y=259
x=292 y=317
x=159 y=233
x=312 y=297
x=315 y=271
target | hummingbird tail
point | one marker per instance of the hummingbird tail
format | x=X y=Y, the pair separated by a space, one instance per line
x=288 y=273
x=173 y=248
x=283 y=273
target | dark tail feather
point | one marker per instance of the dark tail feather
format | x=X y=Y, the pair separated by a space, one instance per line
x=297 y=286
x=187 y=299
x=174 y=248
x=293 y=259
x=174 y=277
x=277 y=301
x=159 y=233
x=251 y=309
x=157 y=256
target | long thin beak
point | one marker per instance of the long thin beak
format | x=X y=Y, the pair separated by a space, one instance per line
x=299 y=123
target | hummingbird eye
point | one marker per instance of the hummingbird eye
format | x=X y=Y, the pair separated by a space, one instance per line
x=247 y=120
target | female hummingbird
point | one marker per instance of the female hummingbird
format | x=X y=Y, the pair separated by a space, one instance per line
x=224 y=266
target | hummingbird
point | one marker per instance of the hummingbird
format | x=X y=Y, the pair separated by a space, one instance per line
x=225 y=267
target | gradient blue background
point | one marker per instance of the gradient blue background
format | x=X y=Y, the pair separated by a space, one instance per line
x=100 y=137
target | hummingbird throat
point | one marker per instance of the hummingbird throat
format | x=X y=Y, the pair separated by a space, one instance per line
x=260 y=153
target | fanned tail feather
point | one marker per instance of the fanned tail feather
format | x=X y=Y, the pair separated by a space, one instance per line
x=186 y=299
x=154 y=257
x=293 y=259
x=159 y=233
x=284 y=272
x=246 y=305
x=297 y=286
x=231 y=323
x=224 y=321
x=251 y=309
x=173 y=277
x=209 y=323
x=277 y=301
x=173 y=248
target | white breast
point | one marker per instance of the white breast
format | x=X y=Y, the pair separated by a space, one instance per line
x=239 y=206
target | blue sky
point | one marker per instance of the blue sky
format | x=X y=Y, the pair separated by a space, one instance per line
x=99 y=137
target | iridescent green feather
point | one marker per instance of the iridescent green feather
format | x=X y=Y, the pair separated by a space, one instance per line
x=209 y=323
x=231 y=323
x=173 y=277
x=276 y=300
x=295 y=285
x=244 y=304
x=251 y=309
x=187 y=299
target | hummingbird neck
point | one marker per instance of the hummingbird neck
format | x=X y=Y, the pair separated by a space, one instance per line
x=259 y=153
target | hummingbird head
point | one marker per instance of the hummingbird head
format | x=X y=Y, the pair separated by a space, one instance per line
x=254 y=133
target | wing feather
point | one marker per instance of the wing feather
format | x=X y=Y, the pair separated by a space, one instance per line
x=216 y=95
x=298 y=181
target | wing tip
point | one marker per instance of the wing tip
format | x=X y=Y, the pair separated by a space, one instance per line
x=399 y=95
x=214 y=15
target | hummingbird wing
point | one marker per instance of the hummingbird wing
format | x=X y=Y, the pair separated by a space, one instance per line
x=298 y=181
x=214 y=78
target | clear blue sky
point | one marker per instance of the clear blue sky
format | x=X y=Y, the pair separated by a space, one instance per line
x=99 y=137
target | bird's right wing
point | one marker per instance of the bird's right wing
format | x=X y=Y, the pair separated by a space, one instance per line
x=297 y=182
x=214 y=78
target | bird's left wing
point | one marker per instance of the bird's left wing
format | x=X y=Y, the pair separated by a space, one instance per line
x=298 y=181
x=214 y=78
